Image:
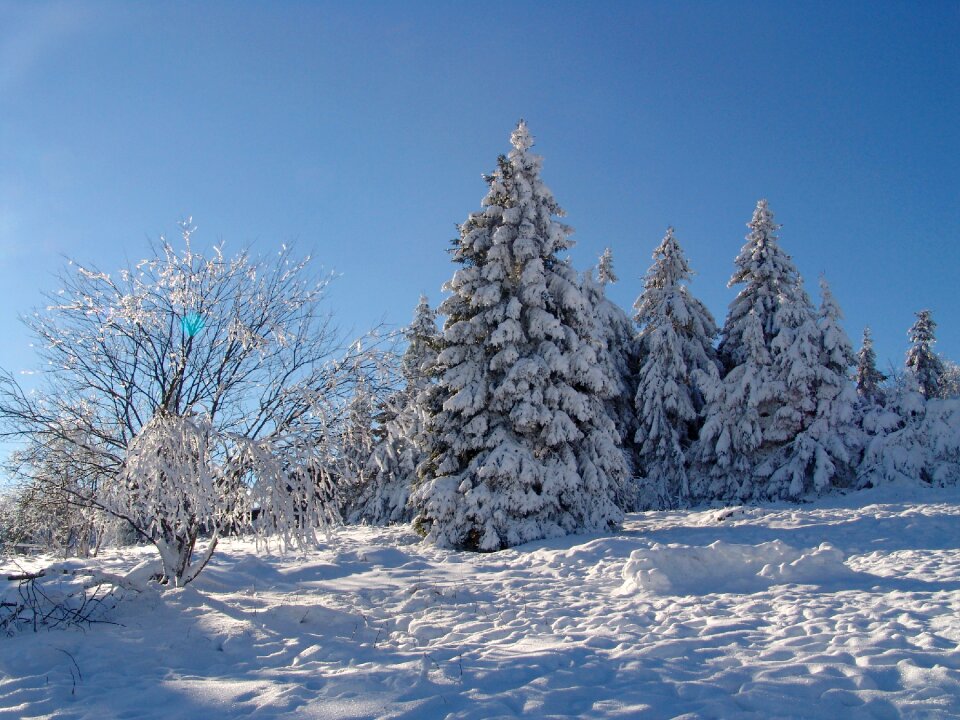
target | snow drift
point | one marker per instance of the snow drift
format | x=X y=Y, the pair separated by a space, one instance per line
x=724 y=567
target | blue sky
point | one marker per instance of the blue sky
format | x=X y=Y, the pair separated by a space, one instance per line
x=360 y=131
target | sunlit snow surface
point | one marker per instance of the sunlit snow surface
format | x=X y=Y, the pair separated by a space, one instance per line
x=700 y=615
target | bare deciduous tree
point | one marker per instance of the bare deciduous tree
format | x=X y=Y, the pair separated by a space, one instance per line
x=210 y=381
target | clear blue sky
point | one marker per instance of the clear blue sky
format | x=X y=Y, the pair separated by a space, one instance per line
x=360 y=130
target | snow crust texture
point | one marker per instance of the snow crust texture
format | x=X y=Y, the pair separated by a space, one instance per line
x=826 y=610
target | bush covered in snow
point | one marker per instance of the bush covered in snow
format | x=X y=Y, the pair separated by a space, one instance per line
x=185 y=396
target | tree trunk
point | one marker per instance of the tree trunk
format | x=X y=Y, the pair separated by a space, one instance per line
x=185 y=545
x=176 y=549
x=176 y=554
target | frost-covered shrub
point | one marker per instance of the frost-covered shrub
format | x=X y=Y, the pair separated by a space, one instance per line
x=186 y=394
x=182 y=477
x=950 y=380
x=43 y=511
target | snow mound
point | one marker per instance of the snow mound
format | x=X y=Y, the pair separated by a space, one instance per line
x=733 y=514
x=724 y=567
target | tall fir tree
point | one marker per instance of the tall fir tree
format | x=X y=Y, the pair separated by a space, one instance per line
x=838 y=356
x=605 y=272
x=770 y=280
x=915 y=434
x=617 y=352
x=732 y=432
x=391 y=470
x=676 y=341
x=824 y=452
x=358 y=437
x=522 y=447
x=922 y=361
x=423 y=340
x=796 y=352
x=869 y=379
x=420 y=375
x=786 y=394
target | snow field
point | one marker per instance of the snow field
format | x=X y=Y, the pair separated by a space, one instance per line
x=819 y=611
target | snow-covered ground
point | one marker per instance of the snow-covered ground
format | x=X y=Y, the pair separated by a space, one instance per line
x=846 y=608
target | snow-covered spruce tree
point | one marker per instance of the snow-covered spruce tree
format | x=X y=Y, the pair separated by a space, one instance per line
x=420 y=378
x=922 y=361
x=837 y=397
x=732 y=432
x=796 y=354
x=769 y=279
x=605 y=272
x=869 y=379
x=950 y=380
x=522 y=447
x=825 y=452
x=678 y=370
x=388 y=473
x=392 y=465
x=911 y=439
x=618 y=354
x=787 y=390
x=357 y=439
x=915 y=434
x=423 y=340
